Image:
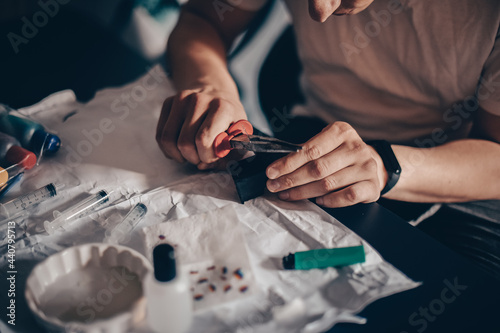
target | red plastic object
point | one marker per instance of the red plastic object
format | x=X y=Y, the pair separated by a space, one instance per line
x=21 y=156
x=222 y=144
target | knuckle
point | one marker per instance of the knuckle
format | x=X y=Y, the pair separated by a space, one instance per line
x=188 y=151
x=318 y=169
x=295 y=194
x=162 y=143
x=356 y=146
x=328 y=201
x=373 y=192
x=169 y=148
x=224 y=113
x=202 y=138
x=343 y=127
x=163 y=140
x=328 y=184
x=185 y=146
x=346 y=131
x=208 y=160
x=285 y=164
x=365 y=150
x=201 y=101
x=351 y=194
x=312 y=153
x=374 y=198
x=288 y=182
x=370 y=165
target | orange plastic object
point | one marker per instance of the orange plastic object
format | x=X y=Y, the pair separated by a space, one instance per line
x=21 y=156
x=222 y=144
x=4 y=176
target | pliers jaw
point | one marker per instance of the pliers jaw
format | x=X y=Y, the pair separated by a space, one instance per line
x=239 y=136
x=260 y=144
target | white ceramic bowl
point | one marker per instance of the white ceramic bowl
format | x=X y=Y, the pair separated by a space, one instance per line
x=94 y=288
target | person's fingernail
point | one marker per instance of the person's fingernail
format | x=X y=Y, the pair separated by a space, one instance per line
x=320 y=201
x=273 y=185
x=272 y=173
x=284 y=195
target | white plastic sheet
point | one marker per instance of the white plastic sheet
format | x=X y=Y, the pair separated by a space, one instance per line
x=211 y=249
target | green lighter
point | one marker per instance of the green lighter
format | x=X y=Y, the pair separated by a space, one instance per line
x=323 y=258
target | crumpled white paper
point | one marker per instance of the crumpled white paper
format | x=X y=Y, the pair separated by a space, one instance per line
x=109 y=143
x=213 y=254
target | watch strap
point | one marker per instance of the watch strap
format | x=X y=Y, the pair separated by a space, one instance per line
x=390 y=161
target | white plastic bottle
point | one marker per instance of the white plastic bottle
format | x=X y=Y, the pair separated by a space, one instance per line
x=169 y=300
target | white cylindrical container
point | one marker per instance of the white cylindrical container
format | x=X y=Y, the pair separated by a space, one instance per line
x=169 y=300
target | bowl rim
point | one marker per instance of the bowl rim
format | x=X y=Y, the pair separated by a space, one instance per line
x=99 y=322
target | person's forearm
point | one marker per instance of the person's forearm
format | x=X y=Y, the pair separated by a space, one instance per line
x=197 y=56
x=458 y=171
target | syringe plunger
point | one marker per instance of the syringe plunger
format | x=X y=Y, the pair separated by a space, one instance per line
x=120 y=232
x=23 y=203
x=77 y=211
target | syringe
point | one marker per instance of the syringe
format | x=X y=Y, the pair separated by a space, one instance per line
x=24 y=202
x=123 y=228
x=77 y=211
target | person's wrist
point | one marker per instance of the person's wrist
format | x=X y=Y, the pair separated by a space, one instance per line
x=382 y=174
x=390 y=163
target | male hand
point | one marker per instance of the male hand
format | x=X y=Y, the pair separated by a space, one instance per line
x=190 y=121
x=320 y=10
x=336 y=167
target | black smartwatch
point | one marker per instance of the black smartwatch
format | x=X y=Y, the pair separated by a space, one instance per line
x=391 y=163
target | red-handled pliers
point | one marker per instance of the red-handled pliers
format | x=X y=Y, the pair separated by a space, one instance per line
x=239 y=136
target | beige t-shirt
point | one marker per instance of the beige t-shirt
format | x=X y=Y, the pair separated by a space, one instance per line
x=408 y=71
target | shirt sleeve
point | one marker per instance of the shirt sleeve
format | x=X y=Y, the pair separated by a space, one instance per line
x=488 y=91
x=250 y=5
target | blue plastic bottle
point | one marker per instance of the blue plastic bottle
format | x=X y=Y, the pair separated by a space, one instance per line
x=30 y=134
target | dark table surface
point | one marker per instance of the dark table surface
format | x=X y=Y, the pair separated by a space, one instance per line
x=455 y=295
